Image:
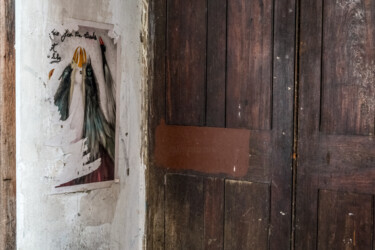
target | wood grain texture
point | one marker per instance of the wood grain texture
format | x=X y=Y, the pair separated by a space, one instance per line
x=345 y=221
x=249 y=64
x=7 y=126
x=348 y=67
x=282 y=123
x=213 y=214
x=216 y=62
x=186 y=62
x=156 y=83
x=247 y=208
x=336 y=154
x=308 y=123
x=184 y=212
x=270 y=150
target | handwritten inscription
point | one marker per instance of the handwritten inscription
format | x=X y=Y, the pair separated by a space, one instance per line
x=59 y=38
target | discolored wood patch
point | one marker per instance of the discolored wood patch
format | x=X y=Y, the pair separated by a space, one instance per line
x=203 y=149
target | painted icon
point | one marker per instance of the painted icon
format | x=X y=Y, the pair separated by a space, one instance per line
x=78 y=99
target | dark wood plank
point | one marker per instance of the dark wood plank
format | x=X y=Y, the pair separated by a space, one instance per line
x=7 y=126
x=249 y=66
x=308 y=122
x=155 y=209
x=282 y=123
x=156 y=83
x=184 y=212
x=345 y=221
x=186 y=62
x=348 y=90
x=213 y=214
x=216 y=62
x=247 y=209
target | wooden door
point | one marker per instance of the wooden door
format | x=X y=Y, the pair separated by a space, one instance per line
x=221 y=124
x=336 y=146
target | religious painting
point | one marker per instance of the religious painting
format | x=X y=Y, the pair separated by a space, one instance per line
x=83 y=69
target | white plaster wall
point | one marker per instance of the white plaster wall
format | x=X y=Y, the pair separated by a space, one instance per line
x=109 y=218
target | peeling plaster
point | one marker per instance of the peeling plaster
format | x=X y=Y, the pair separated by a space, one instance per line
x=106 y=218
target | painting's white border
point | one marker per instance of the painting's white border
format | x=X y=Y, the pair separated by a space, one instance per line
x=117 y=41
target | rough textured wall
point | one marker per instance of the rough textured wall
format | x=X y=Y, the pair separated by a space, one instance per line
x=108 y=218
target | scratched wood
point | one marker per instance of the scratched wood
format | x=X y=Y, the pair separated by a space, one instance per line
x=7 y=126
x=246 y=222
x=348 y=90
x=335 y=149
x=249 y=64
x=184 y=212
x=186 y=62
x=345 y=221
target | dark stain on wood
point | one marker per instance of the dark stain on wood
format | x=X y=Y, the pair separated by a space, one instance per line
x=7 y=126
x=203 y=149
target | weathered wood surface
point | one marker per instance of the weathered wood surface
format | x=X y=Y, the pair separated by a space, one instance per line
x=7 y=126
x=345 y=221
x=213 y=214
x=249 y=75
x=336 y=147
x=271 y=40
x=216 y=62
x=282 y=123
x=247 y=208
x=155 y=176
x=186 y=62
x=184 y=212
x=348 y=67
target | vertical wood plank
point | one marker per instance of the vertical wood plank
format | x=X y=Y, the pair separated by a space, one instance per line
x=186 y=62
x=345 y=221
x=216 y=62
x=154 y=175
x=249 y=66
x=213 y=213
x=308 y=122
x=282 y=123
x=184 y=212
x=247 y=208
x=348 y=90
x=7 y=126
